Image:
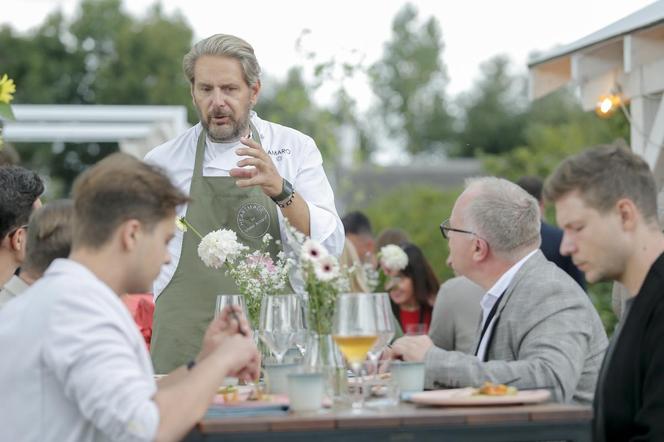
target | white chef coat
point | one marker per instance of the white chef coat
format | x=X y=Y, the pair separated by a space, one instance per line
x=73 y=364
x=295 y=156
x=492 y=296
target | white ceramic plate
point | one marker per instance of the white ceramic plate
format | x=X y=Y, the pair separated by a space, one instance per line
x=466 y=397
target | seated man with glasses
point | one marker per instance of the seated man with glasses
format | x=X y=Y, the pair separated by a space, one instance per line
x=537 y=329
x=19 y=196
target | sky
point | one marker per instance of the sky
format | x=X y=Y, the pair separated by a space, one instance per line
x=356 y=30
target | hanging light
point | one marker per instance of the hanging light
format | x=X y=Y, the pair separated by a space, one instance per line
x=607 y=105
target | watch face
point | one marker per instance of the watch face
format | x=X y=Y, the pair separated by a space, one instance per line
x=253 y=220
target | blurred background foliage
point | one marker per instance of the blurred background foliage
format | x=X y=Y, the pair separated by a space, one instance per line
x=106 y=56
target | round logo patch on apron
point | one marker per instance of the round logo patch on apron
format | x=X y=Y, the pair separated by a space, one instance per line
x=253 y=220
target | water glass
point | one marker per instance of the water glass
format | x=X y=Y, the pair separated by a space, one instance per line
x=305 y=391
x=277 y=330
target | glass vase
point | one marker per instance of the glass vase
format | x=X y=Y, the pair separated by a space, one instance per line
x=323 y=356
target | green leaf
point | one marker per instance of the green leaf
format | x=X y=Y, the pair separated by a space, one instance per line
x=6 y=112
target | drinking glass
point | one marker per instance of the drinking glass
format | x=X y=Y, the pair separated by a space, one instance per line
x=416 y=329
x=301 y=325
x=385 y=328
x=226 y=300
x=276 y=323
x=355 y=329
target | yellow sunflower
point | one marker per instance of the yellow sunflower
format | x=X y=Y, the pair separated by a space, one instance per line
x=7 y=88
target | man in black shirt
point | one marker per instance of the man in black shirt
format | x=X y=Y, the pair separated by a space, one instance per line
x=552 y=236
x=606 y=204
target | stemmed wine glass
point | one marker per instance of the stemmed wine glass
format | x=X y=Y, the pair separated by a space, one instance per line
x=355 y=330
x=384 y=326
x=301 y=325
x=277 y=329
x=225 y=300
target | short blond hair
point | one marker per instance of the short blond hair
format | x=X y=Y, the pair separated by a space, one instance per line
x=119 y=188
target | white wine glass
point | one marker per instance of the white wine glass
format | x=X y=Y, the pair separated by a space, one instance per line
x=301 y=325
x=355 y=330
x=225 y=300
x=384 y=326
x=276 y=323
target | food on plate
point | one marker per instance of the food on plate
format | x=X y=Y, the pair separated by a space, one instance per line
x=229 y=393
x=491 y=389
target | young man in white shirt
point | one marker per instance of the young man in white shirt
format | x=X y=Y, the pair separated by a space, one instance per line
x=74 y=366
x=242 y=173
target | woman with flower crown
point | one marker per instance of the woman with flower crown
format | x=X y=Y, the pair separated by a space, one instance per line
x=413 y=291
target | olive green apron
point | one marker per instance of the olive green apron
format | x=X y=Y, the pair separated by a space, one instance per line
x=186 y=306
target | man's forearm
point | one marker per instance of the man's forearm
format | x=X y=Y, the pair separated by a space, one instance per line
x=298 y=215
x=184 y=400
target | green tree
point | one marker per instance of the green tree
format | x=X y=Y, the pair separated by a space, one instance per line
x=103 y=56
x=45 y=68
x=494 y=116
x=289 y=102
x=410 y=82
x=159 y=42
x=555 y=128
x=419 y=215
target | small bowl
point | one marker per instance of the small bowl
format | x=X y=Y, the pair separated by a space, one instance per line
x=408 y=376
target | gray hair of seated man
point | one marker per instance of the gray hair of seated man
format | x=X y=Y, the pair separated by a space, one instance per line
x=504 y=214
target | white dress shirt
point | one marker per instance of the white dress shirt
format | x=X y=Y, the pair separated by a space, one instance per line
x=492 y=297
x=74 y=366
x=295 y=156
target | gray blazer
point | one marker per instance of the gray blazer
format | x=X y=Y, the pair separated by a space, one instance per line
x=456 y=315
x=547 y=335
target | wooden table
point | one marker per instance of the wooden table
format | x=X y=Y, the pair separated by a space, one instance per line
x=409 y=423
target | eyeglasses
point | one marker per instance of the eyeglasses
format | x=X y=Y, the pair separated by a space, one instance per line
x=16 y=229
x=445 y=227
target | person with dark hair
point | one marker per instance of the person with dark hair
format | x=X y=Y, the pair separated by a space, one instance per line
x=551 y=235
x=358 y=230
x=243 y=173
x=20 y=190
x=74 y=365
x=413 y=292
x=49 y=237
x=606 y=204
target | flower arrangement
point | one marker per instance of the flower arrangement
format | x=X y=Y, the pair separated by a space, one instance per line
x=7 y=88
x=255 y=273
x=391 y=260
x=324 y=278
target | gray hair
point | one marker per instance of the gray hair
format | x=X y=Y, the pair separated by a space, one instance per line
x=224 y=45
x=504 y=214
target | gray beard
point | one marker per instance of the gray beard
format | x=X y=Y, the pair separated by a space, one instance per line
x=234 y=136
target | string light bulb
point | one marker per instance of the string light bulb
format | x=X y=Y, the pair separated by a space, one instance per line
x=607 y=105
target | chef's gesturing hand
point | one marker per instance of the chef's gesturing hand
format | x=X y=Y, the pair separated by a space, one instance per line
x=263 y=173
